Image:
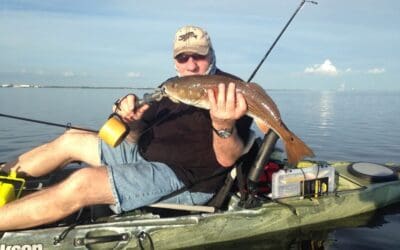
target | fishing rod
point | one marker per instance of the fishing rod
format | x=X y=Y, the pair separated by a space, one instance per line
x=270 y=138
x=278 y=37
x=67 y=126
x=146 y=99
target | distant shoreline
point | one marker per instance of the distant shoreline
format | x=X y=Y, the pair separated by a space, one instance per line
x=21 y=85
x=68 y=87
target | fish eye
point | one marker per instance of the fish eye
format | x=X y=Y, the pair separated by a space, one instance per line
x=175 y=85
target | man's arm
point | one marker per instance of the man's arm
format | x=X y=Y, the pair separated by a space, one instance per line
x=227 y=106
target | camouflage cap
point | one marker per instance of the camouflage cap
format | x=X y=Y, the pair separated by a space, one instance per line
x=191 y=39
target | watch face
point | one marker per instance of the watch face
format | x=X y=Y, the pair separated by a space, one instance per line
x=224 y=133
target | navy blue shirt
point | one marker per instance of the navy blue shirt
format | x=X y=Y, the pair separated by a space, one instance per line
x=181 y=136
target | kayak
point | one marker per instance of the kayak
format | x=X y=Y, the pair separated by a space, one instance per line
x=356 y=188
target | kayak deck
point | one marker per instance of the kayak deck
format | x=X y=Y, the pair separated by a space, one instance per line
x=353 y=195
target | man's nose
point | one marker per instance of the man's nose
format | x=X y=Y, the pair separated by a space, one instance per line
x=191 y=64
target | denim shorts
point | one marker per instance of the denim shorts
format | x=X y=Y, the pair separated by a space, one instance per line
x=136 y=182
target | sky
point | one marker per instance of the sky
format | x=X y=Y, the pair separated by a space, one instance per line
x=336 y=44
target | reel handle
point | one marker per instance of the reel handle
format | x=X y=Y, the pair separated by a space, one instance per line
x=114 y=130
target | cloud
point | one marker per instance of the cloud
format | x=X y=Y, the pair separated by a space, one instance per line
x=133 y=74
x=68 y=74
x=326 y=68
x=376 y=71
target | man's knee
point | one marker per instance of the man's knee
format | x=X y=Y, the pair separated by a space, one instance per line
x=80 y=181
x=79 y=145
x=88 y=186
x=74 y=137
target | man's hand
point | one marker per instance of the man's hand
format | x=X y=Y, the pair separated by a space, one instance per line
x=127 y=110
x=227 y=106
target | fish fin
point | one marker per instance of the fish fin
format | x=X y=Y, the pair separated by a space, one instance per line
x=262 y=125
x=255 y=86
x=296 y=149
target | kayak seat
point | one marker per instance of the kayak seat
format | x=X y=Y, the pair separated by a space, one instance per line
x=220 y=199
x=235 y=180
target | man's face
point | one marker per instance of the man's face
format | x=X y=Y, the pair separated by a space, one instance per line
x=191 y=64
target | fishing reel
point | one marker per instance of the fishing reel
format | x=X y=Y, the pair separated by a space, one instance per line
x=114 y=130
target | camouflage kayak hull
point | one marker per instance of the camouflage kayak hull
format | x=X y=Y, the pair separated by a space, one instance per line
x=352 y=196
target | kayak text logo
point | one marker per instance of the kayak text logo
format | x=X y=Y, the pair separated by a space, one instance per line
x=21 y=247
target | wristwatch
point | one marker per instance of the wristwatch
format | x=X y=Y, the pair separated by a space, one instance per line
x=223 y=133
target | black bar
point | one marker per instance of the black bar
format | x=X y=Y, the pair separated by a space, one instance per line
x=264 y=154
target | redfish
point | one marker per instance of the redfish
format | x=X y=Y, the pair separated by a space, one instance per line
x=192 y=90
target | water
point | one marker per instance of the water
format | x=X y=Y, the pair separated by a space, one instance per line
x=356 y=125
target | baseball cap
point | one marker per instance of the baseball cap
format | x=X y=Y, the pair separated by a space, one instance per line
x=191 y=39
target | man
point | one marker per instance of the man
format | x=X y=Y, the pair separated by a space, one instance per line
x=170 y=146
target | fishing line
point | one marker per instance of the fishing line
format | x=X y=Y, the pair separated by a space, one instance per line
x=278 y=37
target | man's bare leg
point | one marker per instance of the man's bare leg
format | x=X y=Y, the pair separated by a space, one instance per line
x=73 y=145
x=87 y=186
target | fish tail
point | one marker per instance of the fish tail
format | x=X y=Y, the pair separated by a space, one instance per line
x=296 y=149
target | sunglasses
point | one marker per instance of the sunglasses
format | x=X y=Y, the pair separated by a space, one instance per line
x=182 y=58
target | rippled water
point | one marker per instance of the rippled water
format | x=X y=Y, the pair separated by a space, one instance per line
x=356 y=126
x=345 y=125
